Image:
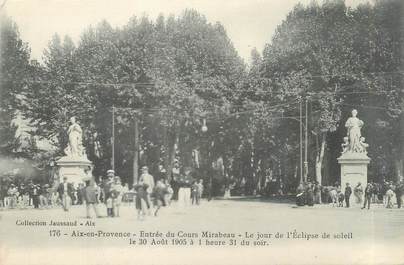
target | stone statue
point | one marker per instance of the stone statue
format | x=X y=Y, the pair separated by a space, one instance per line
x=354 y=125
x=75 y=145
x=364 y=145
x=345 y=145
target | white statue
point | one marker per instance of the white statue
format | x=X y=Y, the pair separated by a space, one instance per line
x=345 y=145
x=364 y=145
x=354 y=125
x=75 y=145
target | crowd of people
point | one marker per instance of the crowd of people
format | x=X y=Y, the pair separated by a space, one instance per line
x=148 y=194
x=387 y=193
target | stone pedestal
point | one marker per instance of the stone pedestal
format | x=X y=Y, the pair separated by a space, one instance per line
x=74 y=169
x=354 y=169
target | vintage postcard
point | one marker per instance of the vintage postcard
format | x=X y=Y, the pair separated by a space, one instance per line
x=201 y=132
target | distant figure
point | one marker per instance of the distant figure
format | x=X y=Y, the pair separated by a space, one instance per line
x=341 y=198
x=65 y=190
x=141 y=199
x=199 y=191
x=90 y=198
x=116 y=195
x=334 y=197
x=348 y=192
x=169 y=193
x=390 y=195
x=358 y=192
x=147 y=179
x=300 y=195
x=309 y=195
x=184 y=193
x=368 y=196
x=159 y=192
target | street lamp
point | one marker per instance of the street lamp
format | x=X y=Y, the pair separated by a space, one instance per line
x=303 y=126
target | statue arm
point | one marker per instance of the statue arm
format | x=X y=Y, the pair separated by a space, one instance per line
x=348 y=123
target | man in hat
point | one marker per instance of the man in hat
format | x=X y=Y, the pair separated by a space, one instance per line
x=35 y=192
x=65 y=189
x=184 y=192
x=147 y=179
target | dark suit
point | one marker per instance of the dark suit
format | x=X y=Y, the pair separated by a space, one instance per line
x=348 y=192
x=65 y=195
x=368 y=196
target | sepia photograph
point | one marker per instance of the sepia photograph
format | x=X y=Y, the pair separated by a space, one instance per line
x=201 y=132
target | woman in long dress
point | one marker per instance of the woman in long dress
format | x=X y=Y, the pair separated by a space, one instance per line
x=75 y=138
x=354 y=125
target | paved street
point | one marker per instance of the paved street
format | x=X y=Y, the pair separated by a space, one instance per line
x=370 y=228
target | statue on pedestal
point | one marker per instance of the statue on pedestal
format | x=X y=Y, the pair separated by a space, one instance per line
x=354 y=160
x=356 y=143
x=75 y=165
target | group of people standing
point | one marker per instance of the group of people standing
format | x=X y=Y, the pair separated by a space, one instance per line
x=150 y=194
x=379 y=193
x=22 y=196
x=313 y=193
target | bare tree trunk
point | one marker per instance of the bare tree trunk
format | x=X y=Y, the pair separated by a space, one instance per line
x=320 y=158
x=136 y=154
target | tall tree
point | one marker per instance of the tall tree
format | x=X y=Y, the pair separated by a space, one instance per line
x=14 y=71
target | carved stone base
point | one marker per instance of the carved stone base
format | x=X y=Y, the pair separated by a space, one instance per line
x=74 y=169
x=354 y=169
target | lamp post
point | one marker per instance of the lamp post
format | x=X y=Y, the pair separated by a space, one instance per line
x=113 y=139
x=306 y=143
x=303 y=165
x=301 y=140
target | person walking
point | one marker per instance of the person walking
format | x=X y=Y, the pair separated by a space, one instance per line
x=147 y=179
x=90 y=199
x=368 y=196
x=116 y=194
x=65 y=190
x=159 y=192
x=141 y=199
x=347 y=193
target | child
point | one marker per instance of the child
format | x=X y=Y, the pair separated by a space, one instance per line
x=141 y=200
x=194 y=193
x=109 y=204
x=341 y=198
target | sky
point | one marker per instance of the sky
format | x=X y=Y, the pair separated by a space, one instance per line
x=249 y=23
